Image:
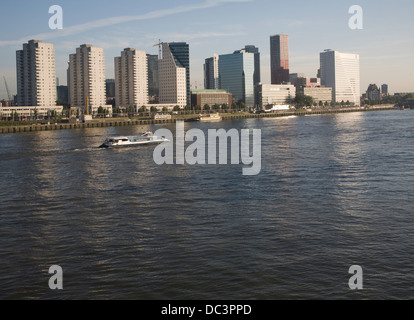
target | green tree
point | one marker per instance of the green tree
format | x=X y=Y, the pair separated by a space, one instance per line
x=187 y=108
x=197 y=108
x=143 y=109
x=154 y=109
x=165 y=110
x=206 y=107
x=35 y=113
x=224 y=106
x=302 y=100
x=177 y=108
x=101 y=110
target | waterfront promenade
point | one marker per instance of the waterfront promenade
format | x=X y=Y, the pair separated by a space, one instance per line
x=132 y=122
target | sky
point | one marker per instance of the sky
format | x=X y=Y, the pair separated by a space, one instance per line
x=385 y=44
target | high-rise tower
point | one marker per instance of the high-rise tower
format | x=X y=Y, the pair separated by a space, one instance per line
x=36 y=75
x=279 y=59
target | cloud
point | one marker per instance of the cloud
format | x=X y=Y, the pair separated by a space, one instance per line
x=101 y=23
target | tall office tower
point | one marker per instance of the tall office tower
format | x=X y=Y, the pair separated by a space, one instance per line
x=131 y=78
x=181 y=53
x=153 y=81
x=279 y=59
x=384 y=89
x=341 y=72
x=86 y=78
x=256 y=76
x=36 y=75
x=236 y=75
x=174 y=75
x=211 y=73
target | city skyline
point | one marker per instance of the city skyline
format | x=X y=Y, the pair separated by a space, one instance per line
x=383 y=45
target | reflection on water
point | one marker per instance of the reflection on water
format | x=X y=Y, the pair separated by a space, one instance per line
x=334 y=191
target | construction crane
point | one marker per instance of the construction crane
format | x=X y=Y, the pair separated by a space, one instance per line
x=7 y=89
x=159 y=45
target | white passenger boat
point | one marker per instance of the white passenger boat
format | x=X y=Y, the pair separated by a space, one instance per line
x=210 y=117
x=140 y=140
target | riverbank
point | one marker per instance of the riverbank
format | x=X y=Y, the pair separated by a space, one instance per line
x=129 y=122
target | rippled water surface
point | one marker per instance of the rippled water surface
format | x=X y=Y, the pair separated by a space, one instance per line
x=334 y=191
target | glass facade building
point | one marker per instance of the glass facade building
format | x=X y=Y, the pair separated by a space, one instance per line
x=236 y=75
x=211 y=73
x=279 y=59
x=153 y=82
x=256 y=76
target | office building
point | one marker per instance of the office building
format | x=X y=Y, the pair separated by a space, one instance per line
x=255 y=51
x=384 y=89
x=63 y=94
x=29 y=111
x=173 y=73
x=341 y=72
x=236 y=76
x=86 y=79
x=299 y=81
x=275 y=94
x=279 y=59
x=211 y=73
x=294 y=76
x=36 y=75
x=210 y=98
x=131 y=78
x=318 y=94
x=153 y=82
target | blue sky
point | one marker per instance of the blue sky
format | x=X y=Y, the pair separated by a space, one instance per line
x=385 y=44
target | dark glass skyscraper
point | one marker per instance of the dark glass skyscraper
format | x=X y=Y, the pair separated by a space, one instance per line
x=236 y=75
x=153 y=82
x=279 y=58
x=181 y=54
x=211 y=73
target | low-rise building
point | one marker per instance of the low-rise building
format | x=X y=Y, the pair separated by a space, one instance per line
x=8 y=112
x=318 y=94
x=210 y=97
x=275 y=94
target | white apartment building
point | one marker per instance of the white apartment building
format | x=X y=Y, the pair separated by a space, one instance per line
x=86 y=79
x=172 y=79
x=131 y=78
x=341 y=72
x=275 y=94
x=36 y=75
